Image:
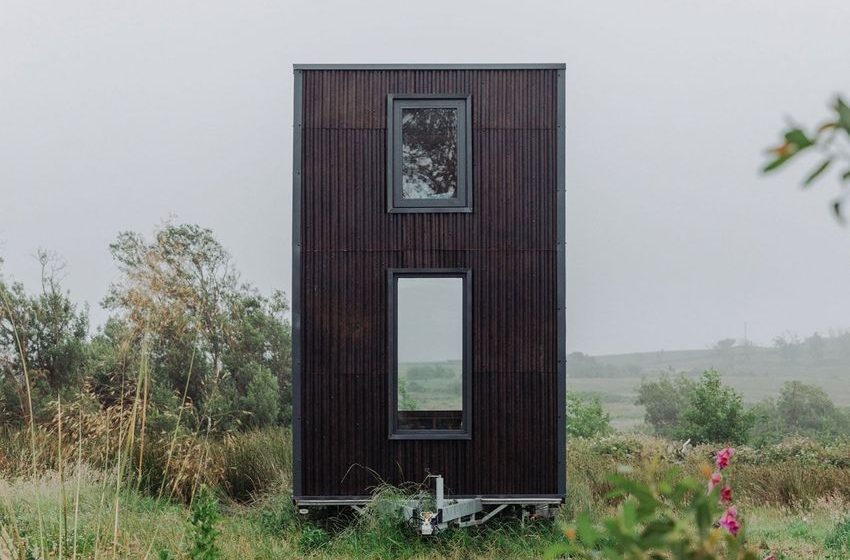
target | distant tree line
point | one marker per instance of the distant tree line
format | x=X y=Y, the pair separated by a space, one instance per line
x=707 y=410
x=703 y=409
x=185 y=335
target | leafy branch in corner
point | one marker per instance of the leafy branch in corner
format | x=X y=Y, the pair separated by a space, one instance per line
x=827 y=139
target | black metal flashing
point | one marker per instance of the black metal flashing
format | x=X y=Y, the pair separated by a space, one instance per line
x=297 y=125
x=484 y=66
x=562 y=290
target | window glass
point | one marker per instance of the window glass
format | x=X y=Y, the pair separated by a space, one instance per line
x=429 y=153
x=430 y=353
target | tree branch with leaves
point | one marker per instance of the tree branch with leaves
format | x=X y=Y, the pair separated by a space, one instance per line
x=831 y=139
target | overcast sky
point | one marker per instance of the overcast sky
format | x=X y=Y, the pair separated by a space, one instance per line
x=115 y=116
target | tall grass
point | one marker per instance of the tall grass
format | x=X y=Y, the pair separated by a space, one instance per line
x=115 y=446
x=251 y=473
x=794 y=474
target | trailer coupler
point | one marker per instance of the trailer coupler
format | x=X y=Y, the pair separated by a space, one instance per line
x=460 y=512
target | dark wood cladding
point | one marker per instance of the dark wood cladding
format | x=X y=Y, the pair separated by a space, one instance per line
x=518 y=99
x=347 y=242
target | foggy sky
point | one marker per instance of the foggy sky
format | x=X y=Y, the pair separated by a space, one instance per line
x=115 y=116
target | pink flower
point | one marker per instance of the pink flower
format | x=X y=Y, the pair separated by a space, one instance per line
x=729 y=521
x=770 y=557
x=726 y=495
x=716 y=478
x=722 y=457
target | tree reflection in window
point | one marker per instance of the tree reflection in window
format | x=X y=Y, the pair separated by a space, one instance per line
x=429 y=152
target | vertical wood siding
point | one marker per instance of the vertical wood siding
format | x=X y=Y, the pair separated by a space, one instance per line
x=509 y=241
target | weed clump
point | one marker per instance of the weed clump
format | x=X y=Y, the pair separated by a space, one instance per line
x=837 y=542
x=202 y=530
x=312 y=539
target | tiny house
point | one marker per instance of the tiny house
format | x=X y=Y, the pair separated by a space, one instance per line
x=428 y=281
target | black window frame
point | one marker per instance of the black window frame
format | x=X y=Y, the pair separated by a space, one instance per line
x=465 y=432
x=396 y=203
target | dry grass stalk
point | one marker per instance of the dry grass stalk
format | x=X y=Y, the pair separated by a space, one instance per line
x=77 y=489
x=63 y=513
x=177 y=424
x=7 y=545
x=31 y=417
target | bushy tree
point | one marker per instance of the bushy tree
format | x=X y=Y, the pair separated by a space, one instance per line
x=45 y=333
x=800 y=409
x=815 y=344
x=789 y=345
x=586 y=418
x=807 y=409
x=261 y=338
x=185 y=334
x=767 y=428
x=261 y=402
x=714 y=413
x=110 y=361
x=181 y=301
x=664 y=400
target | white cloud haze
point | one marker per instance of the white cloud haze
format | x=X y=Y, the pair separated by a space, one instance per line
x=114 y=116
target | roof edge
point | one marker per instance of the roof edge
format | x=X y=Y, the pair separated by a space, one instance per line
x=490 y=66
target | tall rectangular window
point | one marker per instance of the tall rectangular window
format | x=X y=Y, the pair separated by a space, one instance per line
x=429 y=353
x=429 y=151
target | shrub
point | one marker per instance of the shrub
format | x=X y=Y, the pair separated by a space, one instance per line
x=664 y=400
x=202 y=531
x=174 y=468
x=767 y=429
x=255 y=462
x=714 y=413
x=585 y=417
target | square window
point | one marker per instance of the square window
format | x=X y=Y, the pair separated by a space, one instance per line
x=429 y=353
x=429 y=153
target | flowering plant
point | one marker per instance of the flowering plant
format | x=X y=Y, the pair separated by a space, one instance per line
x=673 y=518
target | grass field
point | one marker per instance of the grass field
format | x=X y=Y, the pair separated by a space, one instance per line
x=431 y=385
